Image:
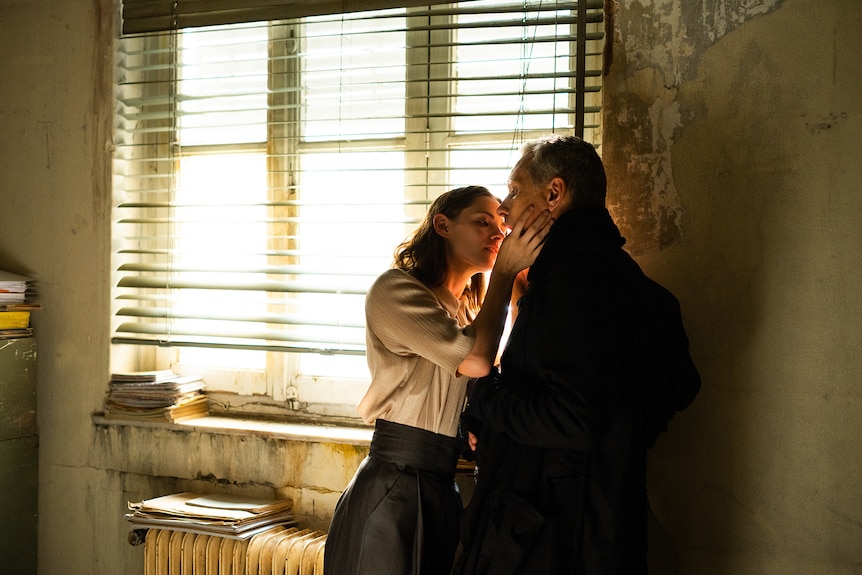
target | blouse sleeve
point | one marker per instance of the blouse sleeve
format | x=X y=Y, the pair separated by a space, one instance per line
x=407 y=319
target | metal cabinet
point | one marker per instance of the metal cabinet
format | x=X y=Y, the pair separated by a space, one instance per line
x=18 y=456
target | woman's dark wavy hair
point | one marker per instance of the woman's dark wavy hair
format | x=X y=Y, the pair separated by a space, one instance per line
x=423 y=253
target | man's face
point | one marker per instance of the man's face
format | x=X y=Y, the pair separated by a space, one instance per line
x=522 y=194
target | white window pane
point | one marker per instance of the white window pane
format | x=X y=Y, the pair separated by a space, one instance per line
x=223 y=85
x=222 y=229
x=335 y=366
x=352 y=225
x=492 y=82
x=352 y=208
x=489 y=168
x=354 y=79
x=222 y=358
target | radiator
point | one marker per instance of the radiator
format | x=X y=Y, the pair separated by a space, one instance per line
x=277 y=551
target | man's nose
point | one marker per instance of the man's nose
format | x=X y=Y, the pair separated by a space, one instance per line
x=503 y=209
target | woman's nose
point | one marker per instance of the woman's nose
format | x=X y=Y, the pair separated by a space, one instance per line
x=499 y=231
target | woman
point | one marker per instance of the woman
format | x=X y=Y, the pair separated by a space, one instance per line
x=400 y=513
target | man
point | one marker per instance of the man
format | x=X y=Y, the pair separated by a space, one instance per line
x=596 y=365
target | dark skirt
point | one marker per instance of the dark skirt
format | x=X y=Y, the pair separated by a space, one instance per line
x=400 y=514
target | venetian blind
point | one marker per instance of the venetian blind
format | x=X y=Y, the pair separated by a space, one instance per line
x=265 y=170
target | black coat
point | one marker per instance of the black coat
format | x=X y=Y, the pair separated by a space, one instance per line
x=596 y=365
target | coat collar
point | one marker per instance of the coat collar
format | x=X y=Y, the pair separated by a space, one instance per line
x=577 y=229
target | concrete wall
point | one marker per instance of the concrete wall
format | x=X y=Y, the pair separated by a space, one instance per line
x=732 y=140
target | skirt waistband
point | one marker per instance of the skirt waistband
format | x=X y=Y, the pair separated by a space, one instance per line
x=414 y=447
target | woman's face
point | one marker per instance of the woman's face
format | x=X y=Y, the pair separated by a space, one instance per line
x=474 y=236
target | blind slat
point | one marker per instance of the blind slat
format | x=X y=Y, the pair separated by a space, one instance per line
x=173 y=283
x=268 y=270
x=279 y=318
x=263 y=335
x=280 y=347
x=160 y=15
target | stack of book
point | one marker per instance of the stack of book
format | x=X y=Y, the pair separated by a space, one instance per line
x=232 y=516
x=15 y=306
x=155 y=396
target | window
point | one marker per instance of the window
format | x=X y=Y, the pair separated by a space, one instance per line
x=265 y=170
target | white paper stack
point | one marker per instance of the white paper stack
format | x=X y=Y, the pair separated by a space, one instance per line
x=155 y=395
x=226 y=515
x=13 y=288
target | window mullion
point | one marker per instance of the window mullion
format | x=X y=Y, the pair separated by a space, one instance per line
x=427 y=108
x=283 y=134
x=416 y=104
x=441 y=91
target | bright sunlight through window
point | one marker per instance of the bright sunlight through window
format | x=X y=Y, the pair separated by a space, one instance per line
x=266 y=172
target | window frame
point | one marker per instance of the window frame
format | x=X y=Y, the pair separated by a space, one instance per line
x=281 y=389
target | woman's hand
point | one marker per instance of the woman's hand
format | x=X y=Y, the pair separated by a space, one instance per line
x=472 y=441
x=521 y=247
x=517 y=252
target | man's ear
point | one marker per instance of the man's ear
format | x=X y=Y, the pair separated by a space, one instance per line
x=441 y=225
x=558 y=194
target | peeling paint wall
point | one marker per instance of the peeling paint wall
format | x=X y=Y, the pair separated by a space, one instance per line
x=733 y=140
x=312 y=474
x=137 y=463
x=656 y=49
x=731 y=135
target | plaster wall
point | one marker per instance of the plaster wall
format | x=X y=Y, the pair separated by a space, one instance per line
x=731 y=137
x=732 y=141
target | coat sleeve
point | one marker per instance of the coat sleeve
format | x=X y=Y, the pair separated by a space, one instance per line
x=597 y=354
x=672 y=380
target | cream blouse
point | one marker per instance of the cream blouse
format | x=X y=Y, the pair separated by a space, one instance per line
x=416 y=338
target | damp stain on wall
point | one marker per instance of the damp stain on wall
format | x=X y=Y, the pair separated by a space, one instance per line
x=656 y=45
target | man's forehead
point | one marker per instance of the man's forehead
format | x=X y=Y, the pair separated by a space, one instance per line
x=518 y=175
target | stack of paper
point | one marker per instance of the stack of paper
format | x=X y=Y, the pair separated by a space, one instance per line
x=226 y=515
x=14 y=306
x=155 y=395
x=13 y=288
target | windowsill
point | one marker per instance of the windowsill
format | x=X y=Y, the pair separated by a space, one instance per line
x=307 y=432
